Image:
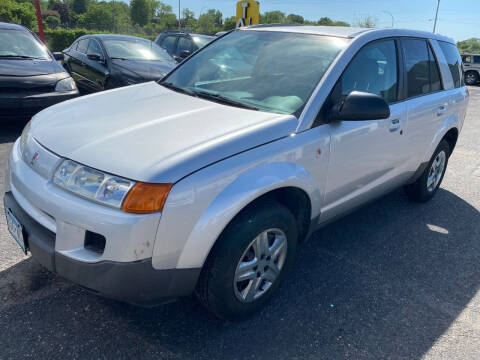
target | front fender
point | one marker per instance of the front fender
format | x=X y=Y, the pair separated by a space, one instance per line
x=201 y=205
x=237 y=195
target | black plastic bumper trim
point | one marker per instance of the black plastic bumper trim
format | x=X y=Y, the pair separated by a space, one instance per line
x=134 y=282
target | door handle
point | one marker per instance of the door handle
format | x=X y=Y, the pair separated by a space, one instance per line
x=394 y=125
x=441 y=109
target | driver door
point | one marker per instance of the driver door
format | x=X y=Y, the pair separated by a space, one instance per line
x=366 y=157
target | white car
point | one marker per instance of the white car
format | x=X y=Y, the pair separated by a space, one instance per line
x=206 y=181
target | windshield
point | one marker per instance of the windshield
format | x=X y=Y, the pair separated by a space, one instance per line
x=132 y=49
x=271 y=71
x=201 y=41
x=21 y=44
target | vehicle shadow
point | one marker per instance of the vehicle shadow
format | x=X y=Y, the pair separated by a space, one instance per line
x=384 y=282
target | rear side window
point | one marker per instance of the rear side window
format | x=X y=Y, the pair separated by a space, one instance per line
x=422 y=70
x=82 y=46
x=168 y=43
x=373 y=70
x=184 y=44
x=454 y=62
x=476 y=59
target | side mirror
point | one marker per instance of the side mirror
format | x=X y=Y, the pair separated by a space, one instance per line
x=58 y=56
x=359 y=106
x=95 y=57
x=185 y=53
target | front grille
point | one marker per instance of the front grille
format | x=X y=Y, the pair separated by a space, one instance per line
x=19 y=114
x=27 y=90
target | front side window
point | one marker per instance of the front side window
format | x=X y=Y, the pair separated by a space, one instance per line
x=21 y=44
x=454 y=62
x=466 y=59
x=373 y=70
x=270 y=71
x=422 y=71
x=94 y=48
x=133 y=49
x=82 y=46
x=202 y=40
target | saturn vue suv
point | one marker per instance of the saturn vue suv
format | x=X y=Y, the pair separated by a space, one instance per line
x=205 y=181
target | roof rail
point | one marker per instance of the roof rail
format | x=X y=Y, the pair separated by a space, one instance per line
x=272 y=25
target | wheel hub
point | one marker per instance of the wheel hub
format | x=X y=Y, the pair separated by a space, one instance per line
x=260 y=265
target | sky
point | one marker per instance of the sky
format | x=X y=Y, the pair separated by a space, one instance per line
x=459 y=19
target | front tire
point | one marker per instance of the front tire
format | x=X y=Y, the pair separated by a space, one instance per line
x=249 y=261
x=427 y=185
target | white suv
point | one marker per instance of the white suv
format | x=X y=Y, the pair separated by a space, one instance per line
x=206 y=181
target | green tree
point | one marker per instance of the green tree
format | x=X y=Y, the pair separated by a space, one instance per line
x=341 y=23
x=210 y=22
x=18 y=13
x=79 y=6
x=99 y=16
x=295 y=19
x=326 y=21
x=273 y=17
x=52 y=21
x=230 y=23
x=140 y=11
x=188 y=19
x=367 y=22
x=469 y=46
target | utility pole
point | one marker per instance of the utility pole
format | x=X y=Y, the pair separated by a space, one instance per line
x=179 y=25
x=113 y=15
x=393 y=19
x=436 y=18
x=39 y=20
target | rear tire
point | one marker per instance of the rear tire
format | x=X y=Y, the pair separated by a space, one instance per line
x=427 y=185
x=471 y=77
x=242 y=273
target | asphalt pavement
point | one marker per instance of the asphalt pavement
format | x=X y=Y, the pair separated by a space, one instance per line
x=394 y=280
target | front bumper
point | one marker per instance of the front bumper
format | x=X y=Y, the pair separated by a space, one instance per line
x=135 y=282
x=57 y=224
x=23 y=107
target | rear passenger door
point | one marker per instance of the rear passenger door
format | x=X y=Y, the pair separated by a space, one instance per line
x=427 y=103
x=77 y=64
x=367 y=157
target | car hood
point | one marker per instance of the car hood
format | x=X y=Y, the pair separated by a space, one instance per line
x=149 y=133
x=147 y=70
x=12 y=67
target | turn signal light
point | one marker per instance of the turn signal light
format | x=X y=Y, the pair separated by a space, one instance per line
x=145 y=198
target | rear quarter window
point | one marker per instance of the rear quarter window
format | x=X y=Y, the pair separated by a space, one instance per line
x=454 y=62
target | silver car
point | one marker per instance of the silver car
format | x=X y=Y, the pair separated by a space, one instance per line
x=206 y=181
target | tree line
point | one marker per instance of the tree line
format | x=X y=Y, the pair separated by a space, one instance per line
x=150 y=17
x=147 y=17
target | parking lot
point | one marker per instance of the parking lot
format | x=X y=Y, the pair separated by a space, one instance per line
x=393 y=280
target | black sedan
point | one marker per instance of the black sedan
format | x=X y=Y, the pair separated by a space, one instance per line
x=100 y=62
x=30 y=77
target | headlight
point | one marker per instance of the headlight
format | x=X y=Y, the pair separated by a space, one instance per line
x=24 y=137
x=128 y=195
x=66 y=84
x=92 y=184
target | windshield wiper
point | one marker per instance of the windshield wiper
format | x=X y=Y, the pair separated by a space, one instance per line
x=20 y=57
x=224 y=100
x=176 y=88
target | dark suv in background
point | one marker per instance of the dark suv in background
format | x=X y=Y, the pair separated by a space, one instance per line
x=31 y=79
x=181 y=45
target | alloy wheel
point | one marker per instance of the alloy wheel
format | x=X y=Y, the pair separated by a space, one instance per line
x=436 y=171
x=260 y=265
